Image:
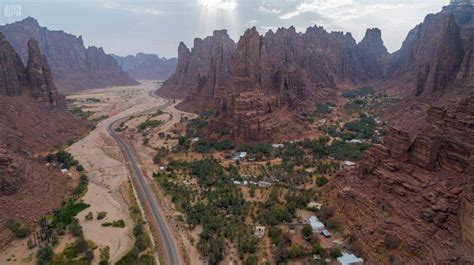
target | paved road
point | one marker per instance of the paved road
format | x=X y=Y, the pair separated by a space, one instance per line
x=147 y=197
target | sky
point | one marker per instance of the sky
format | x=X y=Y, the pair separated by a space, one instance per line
x=129 y=27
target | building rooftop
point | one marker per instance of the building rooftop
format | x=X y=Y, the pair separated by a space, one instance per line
x=347 y=259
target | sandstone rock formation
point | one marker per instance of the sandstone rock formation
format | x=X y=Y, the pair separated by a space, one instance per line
x=40 y=78
x=147 y=66
x=273 y=76
x=285 y=70
x=74 y=67
x=36 y=79
x=436 y=54
x=420 y=192
x=33 y=119
x=12 y=70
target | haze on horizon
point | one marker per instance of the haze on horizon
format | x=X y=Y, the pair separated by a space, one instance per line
x=129 y=27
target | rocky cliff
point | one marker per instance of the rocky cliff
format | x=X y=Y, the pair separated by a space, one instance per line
x=36 y=79
x=147 y=66
x=436 y=54
x=33 y=119
x=284 y=70
x=421 y=192
x=74 y=67
x=270 y=76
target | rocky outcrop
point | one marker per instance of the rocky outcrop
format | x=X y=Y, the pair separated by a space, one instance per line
x=33 y=120
x=293 y=69
x=436 y=54
x=147 y=66
x=40 y=78
x=74 y=67
x=420 y=192
x=12 y=72
x=197 y=67
x=36 y=79
x=373 y=55
x=277 y=73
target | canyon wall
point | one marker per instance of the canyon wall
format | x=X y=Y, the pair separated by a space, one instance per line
x=421 y=191
x=262 y=78
x=74 y=67
x=33 y=120
x=280 y=74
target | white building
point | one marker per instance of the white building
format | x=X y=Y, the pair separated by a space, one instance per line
x=349 y=163
x=240 y=155
x=64 y=170
x=349 y=259
x=277 y=145
x=355 y=141
x=315 y=224
x=264 y=184
x=315 y=205
x=259 y=231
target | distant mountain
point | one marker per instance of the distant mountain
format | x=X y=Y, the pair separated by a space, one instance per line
x=145 y=66
x=74 y=67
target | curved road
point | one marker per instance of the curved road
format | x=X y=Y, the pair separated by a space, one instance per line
x=147 y=197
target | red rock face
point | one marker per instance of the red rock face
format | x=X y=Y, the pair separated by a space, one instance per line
x=40 y=78
x=265 y=75
x=36 y=79
x=436 y=54
x=33 y=120
x=419 y=188
x=74 y=67
x=12 y=72
x=147 y=66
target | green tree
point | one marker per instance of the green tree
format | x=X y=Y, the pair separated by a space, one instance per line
x=307 y=231
x=321 y=181
x=335 y=253
x=44 y=255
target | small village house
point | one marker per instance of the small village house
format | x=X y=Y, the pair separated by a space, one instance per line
x=315 y=224
x=349 y=259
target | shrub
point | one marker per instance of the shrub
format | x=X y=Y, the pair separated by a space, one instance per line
x=44 y=255
x=342 y=150
x=17 y=228
x=335 y=253
x=323 y=108
x=307 y=231
x=149 y=124
x=182 y=140
x=75 y=228
x=360 y=92
x=321 y=181
x=89 y=216
x=295 y=251
x=104 y=255
x=67 y=212
x=117 y=223
x=50 y=157
x=101 y=215
x=82 y=186
x=79 y=168
x=317 y=249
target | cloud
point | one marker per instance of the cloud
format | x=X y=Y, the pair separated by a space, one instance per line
x=315 y=6
x=251 y=23
x=218 y=4
x=134 y=9
x=269 y=10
